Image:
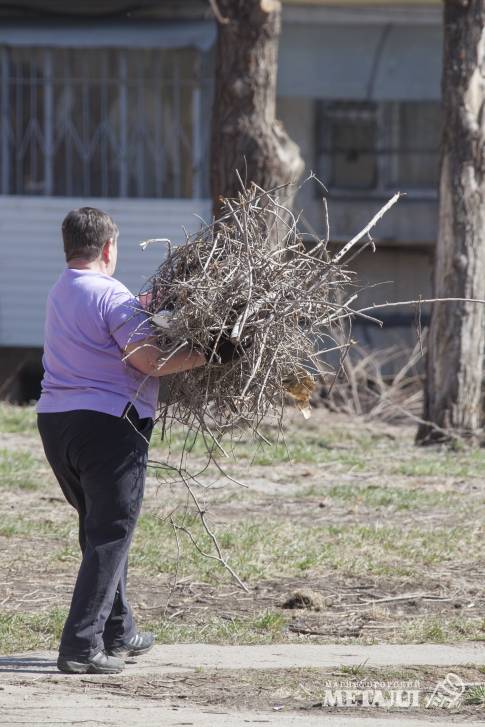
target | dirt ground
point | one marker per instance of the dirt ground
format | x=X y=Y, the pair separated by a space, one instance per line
x=345 y=533
x=300 y=690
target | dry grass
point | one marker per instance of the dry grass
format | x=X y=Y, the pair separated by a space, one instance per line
x=350 y=510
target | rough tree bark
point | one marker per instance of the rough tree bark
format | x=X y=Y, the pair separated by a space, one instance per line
x=456 y=335
x=245 y=133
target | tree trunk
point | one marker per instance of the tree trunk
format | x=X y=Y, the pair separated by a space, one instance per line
x=455 y=341
x=245 y=133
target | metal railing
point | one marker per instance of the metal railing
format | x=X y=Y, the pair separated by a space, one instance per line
x=103 y=122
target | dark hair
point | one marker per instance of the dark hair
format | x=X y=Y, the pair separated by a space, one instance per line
x=85 y=231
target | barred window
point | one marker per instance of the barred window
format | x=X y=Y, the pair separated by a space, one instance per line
x=378 y=146
x=103 y=122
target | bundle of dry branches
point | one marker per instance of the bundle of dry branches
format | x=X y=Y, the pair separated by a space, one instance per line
x=252 y=278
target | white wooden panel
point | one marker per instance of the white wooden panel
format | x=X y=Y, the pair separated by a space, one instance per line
x=31 y=253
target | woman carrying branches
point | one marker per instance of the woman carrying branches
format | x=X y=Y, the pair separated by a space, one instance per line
x=95 y=418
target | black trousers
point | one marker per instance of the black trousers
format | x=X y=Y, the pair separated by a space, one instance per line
x=100 y=463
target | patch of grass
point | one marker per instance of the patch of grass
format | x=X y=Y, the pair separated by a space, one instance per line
x=17 y=419
x=305 y=448
x=175 y=442
x=337 y=447
x=394 y=498
x=355 y=670
x=265 y=549
x=19 y=469
x=304 y=451
x=440 y=630
x=446 y=463
x=29 y=631
x=270 y=621
x=11 y=526
x=264 y=628
x=475 y=695
x=269 y=627
x=309 y=447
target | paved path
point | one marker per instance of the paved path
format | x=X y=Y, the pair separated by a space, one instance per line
x=26 y=698
x=174 y=657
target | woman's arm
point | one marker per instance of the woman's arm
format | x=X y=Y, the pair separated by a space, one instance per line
x=146 y=357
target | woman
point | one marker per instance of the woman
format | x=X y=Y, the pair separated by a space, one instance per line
x=95 y=418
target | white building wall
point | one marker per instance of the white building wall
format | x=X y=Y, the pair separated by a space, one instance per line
x=31 y=254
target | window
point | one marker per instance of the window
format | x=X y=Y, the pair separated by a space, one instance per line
x=103 y=122
x=378 y=146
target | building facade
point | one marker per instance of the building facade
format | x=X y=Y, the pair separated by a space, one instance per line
x=360 y=91
x=111 y=108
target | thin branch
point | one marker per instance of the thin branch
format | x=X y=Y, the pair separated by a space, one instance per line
x=367 y=228
x=219 y=557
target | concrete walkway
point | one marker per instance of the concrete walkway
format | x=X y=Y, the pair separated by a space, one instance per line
x=181 y=657
x=33 y=692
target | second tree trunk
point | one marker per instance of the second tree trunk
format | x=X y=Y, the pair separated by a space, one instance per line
x=455 y=342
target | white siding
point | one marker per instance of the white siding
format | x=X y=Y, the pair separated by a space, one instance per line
x=31 y=254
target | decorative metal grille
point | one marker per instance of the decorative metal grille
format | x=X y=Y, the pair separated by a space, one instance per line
x=104 y=122
x=377 y=146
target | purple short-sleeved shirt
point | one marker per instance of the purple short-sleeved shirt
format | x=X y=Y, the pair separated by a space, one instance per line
x=90 y=319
